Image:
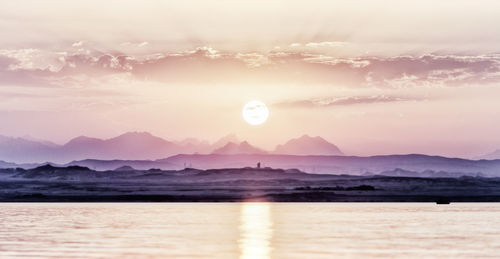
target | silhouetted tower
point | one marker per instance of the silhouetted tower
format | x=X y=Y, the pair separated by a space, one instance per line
x=258 y=165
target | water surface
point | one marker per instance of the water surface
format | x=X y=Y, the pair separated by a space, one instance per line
x=249 y=230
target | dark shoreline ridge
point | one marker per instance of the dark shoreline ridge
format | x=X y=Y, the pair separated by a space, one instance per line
x=81 y=184
x=410 y=165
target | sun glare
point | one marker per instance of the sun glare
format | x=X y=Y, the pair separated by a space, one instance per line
x=256 y=230
x=255 y=112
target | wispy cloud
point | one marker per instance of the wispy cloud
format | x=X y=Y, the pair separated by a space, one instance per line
x=77 y=44
x=142 y=44
x=342 y=101
x=326 y=44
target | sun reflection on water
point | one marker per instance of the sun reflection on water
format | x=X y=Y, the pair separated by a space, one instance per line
x=255 y=230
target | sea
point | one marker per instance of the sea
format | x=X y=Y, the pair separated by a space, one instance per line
x=249 y=230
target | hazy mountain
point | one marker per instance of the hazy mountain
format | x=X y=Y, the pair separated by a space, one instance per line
x=144 y=146
x=4 y=164
x=427 y=173
x=128 y=146
x=22 y=150
x=83 y=146
x=193 y=145
x=225 y=140
x=100 y=165
x=131 y=145
x=307 y=145
x=140 y=149
x=493 y=155
x=339 y=164
x=412 y=165
x=241 y=148
x=45 y=142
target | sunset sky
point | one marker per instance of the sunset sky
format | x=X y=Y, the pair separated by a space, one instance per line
x=418 y=77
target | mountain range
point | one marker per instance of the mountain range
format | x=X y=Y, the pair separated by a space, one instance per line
x=143 y=151
x=145 y=146
x=411 y=165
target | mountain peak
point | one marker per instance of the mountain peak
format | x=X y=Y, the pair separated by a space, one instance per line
x=226 y=139
x=139 y=136
x=135 y=134
x=81 y=140
x=307 y=137
x=307 y=145
x=240 y=148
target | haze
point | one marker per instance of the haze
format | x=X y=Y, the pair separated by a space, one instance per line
x=418 y=77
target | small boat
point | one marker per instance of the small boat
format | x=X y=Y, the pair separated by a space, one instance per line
x=442 y=201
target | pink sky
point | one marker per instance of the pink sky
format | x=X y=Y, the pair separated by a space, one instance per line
x=373 y=77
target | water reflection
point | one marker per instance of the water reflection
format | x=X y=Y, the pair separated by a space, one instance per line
x=255 y=230
x=249 y=230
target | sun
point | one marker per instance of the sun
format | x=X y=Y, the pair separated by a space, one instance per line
x=255 y=112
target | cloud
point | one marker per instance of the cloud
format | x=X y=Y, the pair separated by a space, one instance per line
x=13 y=73
x=142 y=44
x=208 y=65
x=326 y=44
x=342 y=101
x=253 y=59
x=77 y=44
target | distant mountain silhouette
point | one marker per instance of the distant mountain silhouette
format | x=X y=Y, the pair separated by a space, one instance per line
x=225 y=140
x=307 y=145
x=415 y=163
x=45 y=142
x=4 y=164
x=97 y=164
x=193 y=145
x=131 y=145
x=22 y=150
x=241 y=148
x=412 y=165
x=81 y=146
x=128 y=146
